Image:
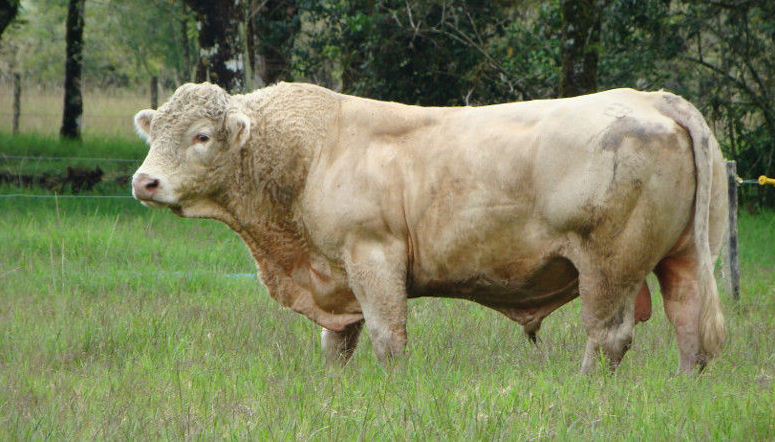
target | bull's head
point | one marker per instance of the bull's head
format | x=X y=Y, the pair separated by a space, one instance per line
x=193 y=138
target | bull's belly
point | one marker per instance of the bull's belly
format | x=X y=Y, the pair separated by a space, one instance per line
x=508 y=286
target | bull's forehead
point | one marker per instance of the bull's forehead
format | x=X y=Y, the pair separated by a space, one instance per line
x=190 y=103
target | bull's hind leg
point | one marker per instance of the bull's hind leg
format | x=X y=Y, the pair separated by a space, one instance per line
x=338 y=347
x=678 y=281
x=608 y=314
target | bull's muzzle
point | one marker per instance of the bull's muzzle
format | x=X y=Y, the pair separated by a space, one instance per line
x=144 y=186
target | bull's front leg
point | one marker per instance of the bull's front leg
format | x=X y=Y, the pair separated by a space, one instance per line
x=338 y=347
x=377 y=274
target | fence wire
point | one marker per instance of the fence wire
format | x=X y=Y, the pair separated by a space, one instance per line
x=23 y=157
x=4 y=156
x=24 y=195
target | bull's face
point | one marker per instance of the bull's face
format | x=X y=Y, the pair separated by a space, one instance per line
x=193 y=139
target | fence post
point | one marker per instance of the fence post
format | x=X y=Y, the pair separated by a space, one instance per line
x=732 y=257
x=154 y=92
x=17 y=101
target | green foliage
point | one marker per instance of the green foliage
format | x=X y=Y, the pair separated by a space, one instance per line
x=731 y=51
x=125 y=42
x=640 y=42
x=275 y=26
x=427 y=52
x=444 y=52
x=530 y=52
x=38 y=47
x=131 y=40
x=716 y=54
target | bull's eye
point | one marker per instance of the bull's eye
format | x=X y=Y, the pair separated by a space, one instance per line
x=201 y=138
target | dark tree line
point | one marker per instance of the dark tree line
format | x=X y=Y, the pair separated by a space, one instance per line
x=579 y=46
x=720 y=54
x=717 y=53
x=8 y=11
x=272 y=26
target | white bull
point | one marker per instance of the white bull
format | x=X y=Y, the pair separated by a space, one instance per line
x=350 y=206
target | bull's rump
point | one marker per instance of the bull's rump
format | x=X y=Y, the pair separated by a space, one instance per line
x=495 y=201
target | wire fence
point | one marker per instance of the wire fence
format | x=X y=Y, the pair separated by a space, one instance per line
x=29 y=179
x=26 y=107
x=58 y=115
x=24 y=195
x=37 y=158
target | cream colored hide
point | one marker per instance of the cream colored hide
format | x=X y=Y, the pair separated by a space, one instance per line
x=350 y=206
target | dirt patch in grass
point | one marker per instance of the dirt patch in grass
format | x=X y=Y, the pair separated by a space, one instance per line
x=75 y=179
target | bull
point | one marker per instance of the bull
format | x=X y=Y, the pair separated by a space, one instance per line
x=351 y=206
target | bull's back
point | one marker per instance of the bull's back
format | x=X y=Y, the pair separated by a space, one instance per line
x=491 y=197
x=498 y=194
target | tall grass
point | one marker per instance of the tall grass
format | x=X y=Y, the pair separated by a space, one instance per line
x=117 y=321
x=107 y=112
x=50 y=145
x=47 y=154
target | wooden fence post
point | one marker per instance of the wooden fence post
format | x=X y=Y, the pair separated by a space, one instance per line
x=732 y=257
x=154 y=92
x=17 y=101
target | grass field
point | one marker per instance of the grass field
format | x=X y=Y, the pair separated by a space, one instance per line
x=119 y=322
x=106 y=112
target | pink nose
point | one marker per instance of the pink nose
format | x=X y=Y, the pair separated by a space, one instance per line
x=144 y=186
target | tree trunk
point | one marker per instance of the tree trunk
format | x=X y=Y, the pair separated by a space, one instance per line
x=220 y=45
x=154 y=92
x=73 y=109
x=250 y=48
x=579 y=47
x=274 y=28
x=17 y=101
x=186 y=71
x=8 y=11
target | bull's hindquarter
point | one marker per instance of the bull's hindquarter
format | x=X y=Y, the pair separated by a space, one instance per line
x=510 y=206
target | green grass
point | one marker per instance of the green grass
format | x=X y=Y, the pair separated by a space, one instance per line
x=34 y=144
x=44 y=153
x=120 y=322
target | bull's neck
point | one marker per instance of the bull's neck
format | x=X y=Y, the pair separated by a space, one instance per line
x=290 y=125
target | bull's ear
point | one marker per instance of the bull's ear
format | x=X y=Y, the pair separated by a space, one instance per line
x=143 y=122
x=238 y=127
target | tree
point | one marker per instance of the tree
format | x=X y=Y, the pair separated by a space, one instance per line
x=641 y=42
x=161 y=47
x=8 y=11
x=580 y=46
x=272 y=26
x=422 y=51
x=730 y=43
x=73 y=109
x=220 y=45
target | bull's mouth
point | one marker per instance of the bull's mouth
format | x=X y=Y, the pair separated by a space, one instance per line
x=151 y=203
x=156 y=204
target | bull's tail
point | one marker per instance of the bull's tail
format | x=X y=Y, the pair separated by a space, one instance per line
x=712 y=329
